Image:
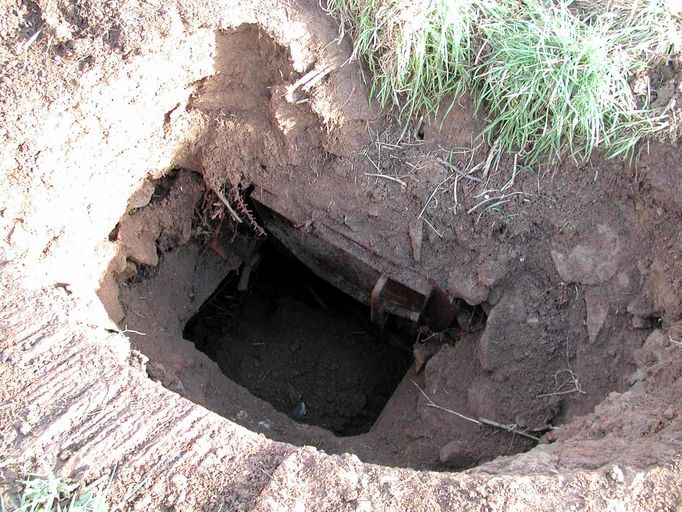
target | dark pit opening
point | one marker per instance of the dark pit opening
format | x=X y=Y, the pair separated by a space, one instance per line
x=302 y=345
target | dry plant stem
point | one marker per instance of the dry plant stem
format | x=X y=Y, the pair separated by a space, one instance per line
x=127 y=331
x=572 y=379
x=392 y=178
x=454 y=194
x=28 y=45
x=241 y=205
x=561 y=389
x=435 y=190
x=458 y=171
x=431 y=226
x=502 y=197
x=512 y=429
x=222 y=198
x=313 y=77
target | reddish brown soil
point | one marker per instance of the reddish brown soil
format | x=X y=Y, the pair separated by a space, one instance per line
x=576 y=266
x=550 y=266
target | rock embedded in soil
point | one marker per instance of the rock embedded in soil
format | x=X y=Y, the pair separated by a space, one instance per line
x=24 y=428
x=505 y=329
x=463 y=284
x=457 y=454
x=593 y=260
x=597 y=311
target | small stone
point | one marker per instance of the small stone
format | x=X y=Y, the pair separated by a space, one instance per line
x=533 y=320
x=176 y=386
x=642 y=305
x=463 y=283
x=640 y=323
x=669 y=413
x=65 y=455
x=299 y=412
x=24 y=428
x=494 y=296
x=142 y=196
x=596 y=312
x=616 y=474
x=492 y=270
x=456 y=454
x=350 y=495
x=637 y=376
x=637 y=388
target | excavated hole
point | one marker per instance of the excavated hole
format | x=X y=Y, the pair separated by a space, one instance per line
x=302 y=345
x=279 y=334
x=291 y=339
x=292 y=356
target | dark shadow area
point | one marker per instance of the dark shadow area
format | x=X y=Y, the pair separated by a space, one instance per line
x=297 y=342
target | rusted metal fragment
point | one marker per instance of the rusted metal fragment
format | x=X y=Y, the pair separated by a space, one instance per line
x=354 y=268
x=377 y=311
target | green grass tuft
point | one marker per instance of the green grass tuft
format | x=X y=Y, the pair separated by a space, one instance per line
x=52 y=494
x=419 y=53
x=553 y=84
x=554 y=79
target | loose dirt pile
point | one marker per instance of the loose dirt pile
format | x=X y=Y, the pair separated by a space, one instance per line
x=517 y=305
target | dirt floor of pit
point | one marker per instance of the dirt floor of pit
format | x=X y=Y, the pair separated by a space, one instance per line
x=298 y=343
x=580 y=277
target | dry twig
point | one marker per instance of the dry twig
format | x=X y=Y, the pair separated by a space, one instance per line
x=562 y=389
x=386 y=176
x=512 y=429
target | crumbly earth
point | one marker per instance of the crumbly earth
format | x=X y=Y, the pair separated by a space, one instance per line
x=577 y=268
